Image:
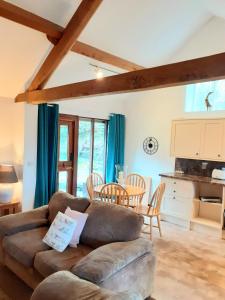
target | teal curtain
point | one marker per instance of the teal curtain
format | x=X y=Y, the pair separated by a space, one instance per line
x=115 y=145
x=47 y=153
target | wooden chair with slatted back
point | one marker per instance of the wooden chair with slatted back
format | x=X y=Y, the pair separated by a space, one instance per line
x=153 y=208
x=93 y=180
x=137 y=181
x=114 y=193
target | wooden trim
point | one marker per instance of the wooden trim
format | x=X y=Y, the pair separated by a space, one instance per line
x=75 y=153
x=54 y=33
x=70 y=34
x=186 y=72
x=26 y=18
x=92 y=143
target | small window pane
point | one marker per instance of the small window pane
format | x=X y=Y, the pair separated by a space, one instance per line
x=84 y=156
x=99 y=148
x=196 y=95
x=64 y=143
x=63 y=179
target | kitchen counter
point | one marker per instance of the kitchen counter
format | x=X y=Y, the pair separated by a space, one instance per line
x=193 y=178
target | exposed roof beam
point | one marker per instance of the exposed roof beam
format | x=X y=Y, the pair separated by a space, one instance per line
x=26 y=18
x=72 y=31
x=190 y=71
x=54 y=33
x=100 y=55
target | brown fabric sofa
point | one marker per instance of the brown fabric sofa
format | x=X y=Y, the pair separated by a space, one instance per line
x=111 y=254
x=65 y=285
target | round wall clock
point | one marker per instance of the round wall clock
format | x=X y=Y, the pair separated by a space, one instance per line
x=150 y=145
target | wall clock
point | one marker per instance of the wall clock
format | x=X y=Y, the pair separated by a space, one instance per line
x=150 y=145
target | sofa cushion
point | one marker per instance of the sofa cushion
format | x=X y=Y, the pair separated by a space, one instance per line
x=49 y=262
x=108 y=223
x=12 y=224
x=109 y=259
x=64 y=285
x=23 y=246
x=61 y=200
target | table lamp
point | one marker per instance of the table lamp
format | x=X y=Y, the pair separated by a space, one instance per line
x=7 y=177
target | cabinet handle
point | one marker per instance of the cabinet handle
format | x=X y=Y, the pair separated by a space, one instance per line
x=218 y=155
x=174 y=182
x=197 y=153
x=174 y=197
x=174 y=191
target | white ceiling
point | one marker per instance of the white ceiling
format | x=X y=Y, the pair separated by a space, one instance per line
x=147 y=32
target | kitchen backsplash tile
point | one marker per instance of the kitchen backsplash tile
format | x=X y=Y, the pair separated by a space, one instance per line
x=197 y=167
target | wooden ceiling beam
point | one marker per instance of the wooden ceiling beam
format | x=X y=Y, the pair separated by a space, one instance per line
x=72 y=31
x=54 y=33
x=100 y=55
x=26 y=18
x=180 y=73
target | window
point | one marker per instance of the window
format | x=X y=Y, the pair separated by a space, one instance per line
x=197 y=93
x=82 y=150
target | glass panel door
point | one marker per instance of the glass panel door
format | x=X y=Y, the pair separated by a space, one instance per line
x=84 y=159
x=66 y=169
x=99 y=148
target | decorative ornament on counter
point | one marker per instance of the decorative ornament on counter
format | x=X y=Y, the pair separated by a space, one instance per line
x=150 y=145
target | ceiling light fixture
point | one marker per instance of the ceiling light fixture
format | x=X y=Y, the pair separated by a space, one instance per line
x=99 y=71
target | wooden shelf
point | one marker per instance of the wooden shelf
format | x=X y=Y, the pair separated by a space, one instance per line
x=207 y=222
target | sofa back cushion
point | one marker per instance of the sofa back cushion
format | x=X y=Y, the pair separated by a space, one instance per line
x=108 y=223
x=61 y=200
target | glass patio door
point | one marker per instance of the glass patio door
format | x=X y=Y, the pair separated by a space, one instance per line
x=91 y=151
x=82 y=150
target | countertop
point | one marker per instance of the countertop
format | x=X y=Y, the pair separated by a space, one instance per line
x=193 y=178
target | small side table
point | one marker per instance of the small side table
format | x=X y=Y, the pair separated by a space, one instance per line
x=9 y=208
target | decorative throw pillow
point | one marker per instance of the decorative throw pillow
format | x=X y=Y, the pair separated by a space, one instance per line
x=81 y=219
x=60 y=232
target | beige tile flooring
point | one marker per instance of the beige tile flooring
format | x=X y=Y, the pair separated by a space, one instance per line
x=191 y=266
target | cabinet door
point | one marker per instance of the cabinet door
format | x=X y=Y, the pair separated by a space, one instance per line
x=186 y=138
x=212 y=139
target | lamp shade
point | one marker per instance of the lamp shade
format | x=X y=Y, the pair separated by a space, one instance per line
x=8 y=174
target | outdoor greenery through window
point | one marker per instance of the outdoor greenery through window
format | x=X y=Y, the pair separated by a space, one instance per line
x=82 y=150
x=207 y=96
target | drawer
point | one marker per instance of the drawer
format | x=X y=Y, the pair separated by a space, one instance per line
x=179 y=188
x=177 y=206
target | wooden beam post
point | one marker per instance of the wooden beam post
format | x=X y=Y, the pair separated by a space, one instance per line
x=190 y=71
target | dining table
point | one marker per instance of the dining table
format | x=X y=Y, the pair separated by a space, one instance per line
x=133 y=191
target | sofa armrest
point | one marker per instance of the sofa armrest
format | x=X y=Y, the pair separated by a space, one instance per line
x=65 y=285
x=109 y=259
x=12 y=224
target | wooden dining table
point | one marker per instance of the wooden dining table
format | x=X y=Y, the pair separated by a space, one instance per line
x=133 y=191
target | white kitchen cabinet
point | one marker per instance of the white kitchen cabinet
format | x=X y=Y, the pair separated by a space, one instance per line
x=178 y=198
x=186 y=138
x=198 y=139
x=212 y=139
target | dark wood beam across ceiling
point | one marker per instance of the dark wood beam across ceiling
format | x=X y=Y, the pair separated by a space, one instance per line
x=70 y=34
x=180 y=73
x=54 y=33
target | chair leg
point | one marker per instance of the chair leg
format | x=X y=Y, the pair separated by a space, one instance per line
x=159 y=226
x=150 y=228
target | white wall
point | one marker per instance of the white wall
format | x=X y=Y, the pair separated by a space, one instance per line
x=12 y=136
x=150 y=113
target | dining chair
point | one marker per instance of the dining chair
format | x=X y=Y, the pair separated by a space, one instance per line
x=114 y=193
x=137 y=181
x=93 y=180
x=153 y=208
